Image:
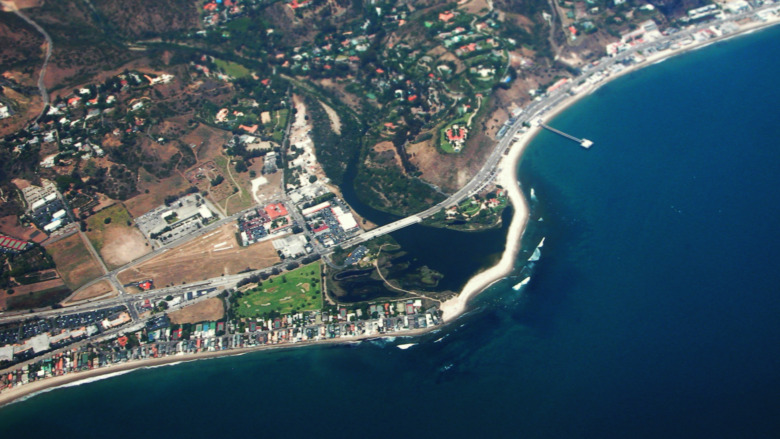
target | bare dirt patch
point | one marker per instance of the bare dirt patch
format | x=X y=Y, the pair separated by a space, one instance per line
x=122 y=245
x=477 y=7
x=10 y=5
x=387 y=149
x=208 y=310
x=102 y=289
x=10 y=225
x=38 y=286
x=208 y=141
x=335 y=122
x=74 y=262
x=162 y=152
x=212 y=255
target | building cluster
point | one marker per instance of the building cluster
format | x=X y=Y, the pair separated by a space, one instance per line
x=330 y=222
x=456 y=136
x=46 y=208
x=159 y=338
x=264 y=223
x=170 y=222
x=33 y=337
x=221 y=11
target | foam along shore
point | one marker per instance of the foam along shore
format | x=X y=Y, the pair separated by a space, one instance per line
x=452 y=308
x=25 y=391
x=508 y=179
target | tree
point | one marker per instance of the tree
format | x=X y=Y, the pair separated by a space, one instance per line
x=107 y=220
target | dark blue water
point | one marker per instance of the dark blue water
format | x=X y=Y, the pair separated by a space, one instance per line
x=654 y=311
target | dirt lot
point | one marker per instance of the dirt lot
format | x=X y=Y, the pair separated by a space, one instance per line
x=211 y=255
x=117 y=242
x=476 y=7
x=74 y=263
x=207 y=310
x=100 y=289
x=208 y=142
x=10 y=226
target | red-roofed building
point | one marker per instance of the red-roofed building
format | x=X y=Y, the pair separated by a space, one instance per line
x=296 y=4
x=458 y=134
x=265 y=81
x=380 y=71
x=275 y=211
x=210 y=6
x=320 y=228
x=446 y=16
x=145 y=285
x=412 y=98
x=122 y=341
x=249 y=129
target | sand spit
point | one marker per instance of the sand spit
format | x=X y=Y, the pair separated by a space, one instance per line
x=508 y=179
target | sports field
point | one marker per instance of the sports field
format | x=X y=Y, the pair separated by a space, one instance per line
x=298 y=290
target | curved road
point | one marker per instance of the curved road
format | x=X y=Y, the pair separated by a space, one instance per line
x=49 y=46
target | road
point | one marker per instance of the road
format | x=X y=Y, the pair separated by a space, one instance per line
x=483 y=177
x=49 y=46
x=537 y=108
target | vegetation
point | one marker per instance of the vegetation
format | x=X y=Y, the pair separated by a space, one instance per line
x=297 y=290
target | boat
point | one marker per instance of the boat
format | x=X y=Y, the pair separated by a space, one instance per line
x=521 y=284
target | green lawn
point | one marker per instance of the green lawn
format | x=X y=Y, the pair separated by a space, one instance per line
x=298 y=290
x=469 y=207
x=233 y=69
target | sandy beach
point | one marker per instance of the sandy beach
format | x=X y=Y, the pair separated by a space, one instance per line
x=452 y=308
x=8 y=396
x=508 y=179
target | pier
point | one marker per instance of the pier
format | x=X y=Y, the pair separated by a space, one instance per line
x=585 y=143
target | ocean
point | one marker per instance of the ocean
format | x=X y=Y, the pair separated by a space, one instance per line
x=653 y=311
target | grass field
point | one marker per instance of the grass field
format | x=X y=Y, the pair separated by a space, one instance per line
x=469 y=207
x=74 y=262
x=298 y=290
x=233 y=69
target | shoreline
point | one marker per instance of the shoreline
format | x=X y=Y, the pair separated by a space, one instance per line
x=508 y=178
x=25 y=391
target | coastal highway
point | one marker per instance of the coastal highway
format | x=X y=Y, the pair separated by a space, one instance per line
x=534 y=110
x=483 y=177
